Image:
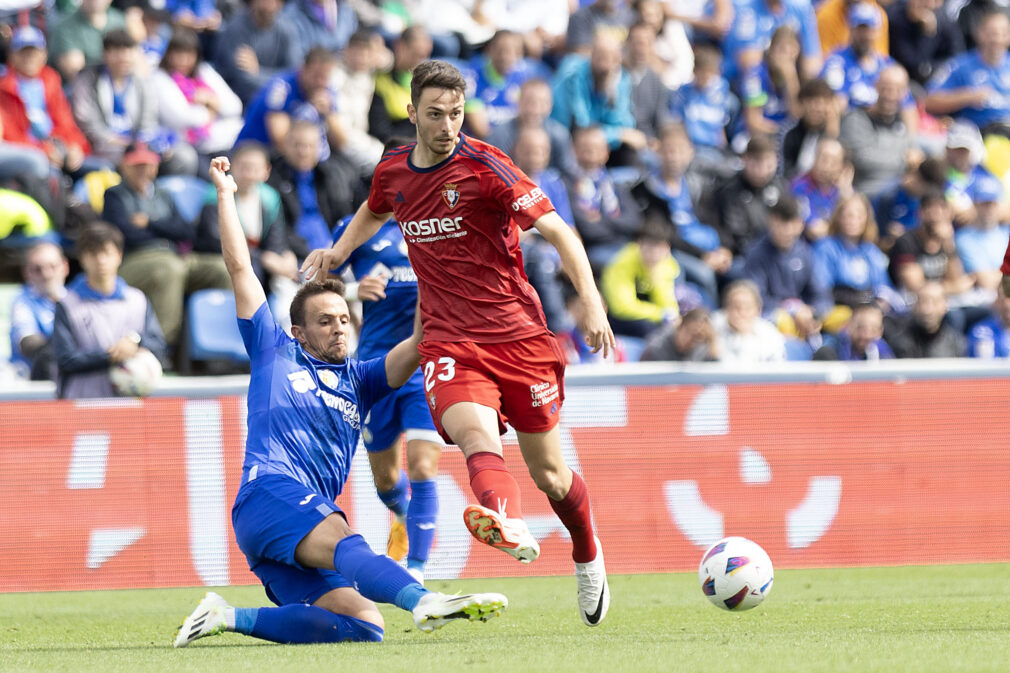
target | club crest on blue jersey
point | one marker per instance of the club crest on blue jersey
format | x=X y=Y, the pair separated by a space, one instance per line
x=329 y=377
x=450 y=195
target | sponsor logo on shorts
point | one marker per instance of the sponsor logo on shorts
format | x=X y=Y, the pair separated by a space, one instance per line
x=306 y=499
x=529 y=199
x=431 y=400
x=543 y=393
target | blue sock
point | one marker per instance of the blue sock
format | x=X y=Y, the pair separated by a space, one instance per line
x=301 y=624
x=378 y=578
x=395 y=499
x=422 y=512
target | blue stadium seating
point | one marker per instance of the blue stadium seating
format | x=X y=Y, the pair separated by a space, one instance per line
x=187 y=191
x=212 y=332
x=797 y=350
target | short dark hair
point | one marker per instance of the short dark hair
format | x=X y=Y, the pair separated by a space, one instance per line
x=932 y=195
x=933 y=171
x=95 y=236
x=118 y=39
x=361 y=37
x=437 y=75
x=246 y=146
x=673 y=128
x=707 y=56
x=815 y=88
x=695 y=315
x=655 y=227
x=785 y=208
x=758 y=145
x=319 y=55
x=311 y=289
x=183 y=39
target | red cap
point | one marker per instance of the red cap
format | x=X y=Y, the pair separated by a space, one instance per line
x=140 y=153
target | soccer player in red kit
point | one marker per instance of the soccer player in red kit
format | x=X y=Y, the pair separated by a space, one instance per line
x=487 y=355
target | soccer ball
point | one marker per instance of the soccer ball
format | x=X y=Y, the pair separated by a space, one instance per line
x=735 y=574
x=138 y=376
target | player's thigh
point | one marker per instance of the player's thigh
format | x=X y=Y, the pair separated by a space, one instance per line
x=317 y=548
x=347 y=601
x=542 y=454
x=475 y=428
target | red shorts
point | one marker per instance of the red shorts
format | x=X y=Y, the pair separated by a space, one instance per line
x=523 y=380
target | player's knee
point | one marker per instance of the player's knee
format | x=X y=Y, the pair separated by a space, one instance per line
x=422 y=468
x=386 y=480
x=549 y=480
x=372 y=627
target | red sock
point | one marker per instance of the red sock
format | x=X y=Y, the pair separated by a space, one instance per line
x=575 y=513
x=493 y=485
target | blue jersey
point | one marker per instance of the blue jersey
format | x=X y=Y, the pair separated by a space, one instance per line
x=304 y=414
x=856 y=79
x=968 y=70
x=814 y=202
x=899 y=206
x=388 y=322
x=754 y=23
x=758 y=90
x=283 y=94
x=681 y=210
x=862 y=267
x=704 y=112
x=500 y=93
x=960 y=187
x=981 y=250
x=989 y=339
x=31 y=314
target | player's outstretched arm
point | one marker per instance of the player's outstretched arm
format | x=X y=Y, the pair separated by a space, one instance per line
x=362 y=227
x=249 y=295
x=573 y=258
x=403 y=359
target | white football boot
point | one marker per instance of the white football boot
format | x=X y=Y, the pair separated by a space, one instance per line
x=594 y=592
x=208 y=619
x=435 y=610
x=495 y=530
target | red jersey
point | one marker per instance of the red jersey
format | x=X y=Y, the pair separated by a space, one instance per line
x=461 y=220
x=1005 y=268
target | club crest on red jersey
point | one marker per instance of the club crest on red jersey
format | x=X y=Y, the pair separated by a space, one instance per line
x=450 y=194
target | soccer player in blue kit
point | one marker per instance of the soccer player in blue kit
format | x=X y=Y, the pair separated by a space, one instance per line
x=387 y=288
x=305 y=401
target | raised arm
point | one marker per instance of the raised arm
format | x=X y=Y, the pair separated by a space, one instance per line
x=402 y=360
x=362 y=227
x=249 y=295
x=573 y=258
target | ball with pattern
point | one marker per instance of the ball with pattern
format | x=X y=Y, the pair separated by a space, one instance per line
x=138 y=376
x=735 y=574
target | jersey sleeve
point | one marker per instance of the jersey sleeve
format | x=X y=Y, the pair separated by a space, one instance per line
x=378 y=203
x=261 y=332
x=278 y=91
x=372 y=382
x=514 y=192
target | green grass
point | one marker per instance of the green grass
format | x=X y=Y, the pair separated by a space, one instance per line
x=937 y=618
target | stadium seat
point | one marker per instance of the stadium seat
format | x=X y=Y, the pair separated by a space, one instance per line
x=212 y=332
x=632 y=347
x=187 y=191
x=91 y=188
x=798 y=351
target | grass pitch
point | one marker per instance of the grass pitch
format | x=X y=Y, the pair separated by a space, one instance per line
x=937 y=618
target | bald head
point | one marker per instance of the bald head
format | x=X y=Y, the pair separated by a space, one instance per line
x=892 y=88
x=605 y=57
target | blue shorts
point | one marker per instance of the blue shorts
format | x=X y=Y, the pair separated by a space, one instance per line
x=271 y=515
x=403 y=410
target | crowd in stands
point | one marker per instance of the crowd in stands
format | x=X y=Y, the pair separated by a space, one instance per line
x=753 y=180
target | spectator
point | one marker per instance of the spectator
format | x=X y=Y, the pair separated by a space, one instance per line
x=706 y=105
x=852 y=70
x=876 y=138
x=650 y=99
x=262 y=220
x=315 y=193
x=990 y=337
x=819 y=118
x=975 y=85
x=742 y=335
x=692 y=339
x=300 y=95
x=354 y=78
x=853 y=267
x=45 y=271
x=321 y=23
x=924 y=333
x=499 y=73
x=534 y=109
x=152 y=231
x=980 y=244
x=540 y=259
x=927 y=253
x=922 y=37
x=965 y=152
x=819 y=191
x=696 y=246
x=604 y=217
x=200 y=16
x=33 y=109
x=77 y=38
x=637 y=284
x=113 y=105
x=254 y=46
x=541 y=23
x=587 y=23
x=387 y=116
x=898 y=208
x=670 y=47
x=157 y=29
x=193 y=100
x=753 y=26
x=770 y=90
x=836 y=25
x=101 y=320
x=862 y=338
x=781 y=265
x=742 y=201
x=596 y=91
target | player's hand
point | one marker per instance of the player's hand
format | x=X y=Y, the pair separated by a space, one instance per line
x=219 y=168
x=319 y=262
x=372 y=288
x=596 y=328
